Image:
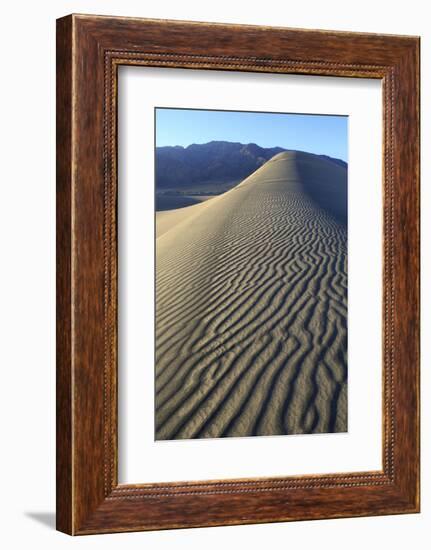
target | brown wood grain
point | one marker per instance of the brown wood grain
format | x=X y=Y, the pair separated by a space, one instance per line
x=89 y=51
x=64 y=289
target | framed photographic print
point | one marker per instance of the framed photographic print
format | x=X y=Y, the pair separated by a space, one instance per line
x=237 y=274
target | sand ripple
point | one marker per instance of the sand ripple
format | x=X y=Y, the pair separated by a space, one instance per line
x=251 y=307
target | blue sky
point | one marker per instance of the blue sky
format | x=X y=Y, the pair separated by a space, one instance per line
x=320 y=134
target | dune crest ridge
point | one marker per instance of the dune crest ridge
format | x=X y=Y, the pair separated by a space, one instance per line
x=251 y=306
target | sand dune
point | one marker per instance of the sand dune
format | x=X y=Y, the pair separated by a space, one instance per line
x=171 y=202
x=251 y=306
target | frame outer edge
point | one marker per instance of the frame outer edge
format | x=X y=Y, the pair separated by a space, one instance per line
x=407 y=273
x=64 y=368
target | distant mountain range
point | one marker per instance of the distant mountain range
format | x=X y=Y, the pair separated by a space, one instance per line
x=215 y=163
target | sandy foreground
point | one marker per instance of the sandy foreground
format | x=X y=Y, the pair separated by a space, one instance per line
x=251 y=306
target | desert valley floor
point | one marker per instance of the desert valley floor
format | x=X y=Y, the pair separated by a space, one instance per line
x=251 y=306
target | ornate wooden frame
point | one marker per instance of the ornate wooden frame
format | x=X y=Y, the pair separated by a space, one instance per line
x=89 y=51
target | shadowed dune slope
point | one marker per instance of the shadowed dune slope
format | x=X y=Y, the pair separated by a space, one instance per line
x=251 y=306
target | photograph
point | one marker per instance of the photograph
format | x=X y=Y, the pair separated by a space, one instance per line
x=251 y=277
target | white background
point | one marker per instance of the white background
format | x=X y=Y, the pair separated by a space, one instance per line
x=27 y=122
x=141 y=458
